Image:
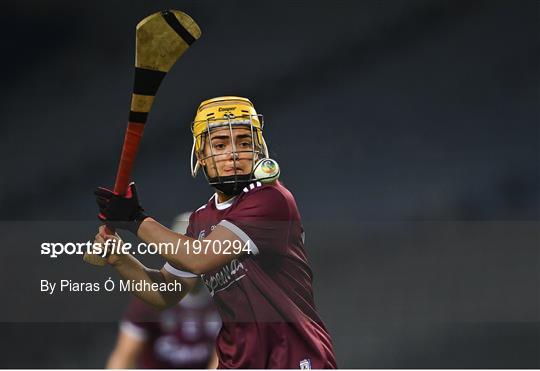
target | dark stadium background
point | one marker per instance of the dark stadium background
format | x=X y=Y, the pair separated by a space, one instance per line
x=408 y=132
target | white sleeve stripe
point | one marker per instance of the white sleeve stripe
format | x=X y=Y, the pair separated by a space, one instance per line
x=133 y=330
x=177 y=272
x=241 y=234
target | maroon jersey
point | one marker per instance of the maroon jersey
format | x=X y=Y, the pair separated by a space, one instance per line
x=265 y=297
x=180 y=337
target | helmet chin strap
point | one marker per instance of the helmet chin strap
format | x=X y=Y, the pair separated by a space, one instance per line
x=231 y=185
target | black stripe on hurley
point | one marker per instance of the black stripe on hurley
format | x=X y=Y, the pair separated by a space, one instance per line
x=147 y=81
x=177 y=26
x=139 y=117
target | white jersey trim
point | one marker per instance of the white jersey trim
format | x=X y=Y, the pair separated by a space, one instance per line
x=223 y=205
x=133 y=330
x=240 y=234
x=177 y=272
x=252 y=186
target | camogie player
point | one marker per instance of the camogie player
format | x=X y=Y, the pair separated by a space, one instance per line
x=246 y=243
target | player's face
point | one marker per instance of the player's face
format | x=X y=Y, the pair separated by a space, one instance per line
x=225 y=150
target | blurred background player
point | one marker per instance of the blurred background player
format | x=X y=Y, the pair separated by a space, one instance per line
x=180 y=337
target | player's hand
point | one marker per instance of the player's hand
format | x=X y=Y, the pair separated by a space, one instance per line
x=113 y=255
x=122 y=212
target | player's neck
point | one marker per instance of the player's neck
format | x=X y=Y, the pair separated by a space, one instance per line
x=222 y=197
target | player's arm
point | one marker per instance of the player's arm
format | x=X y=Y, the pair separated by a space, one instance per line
x=131 y=269
x=190 y=254
x=125 y=212
x=127 y=350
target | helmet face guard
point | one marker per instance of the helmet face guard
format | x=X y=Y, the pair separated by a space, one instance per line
x=227 y=123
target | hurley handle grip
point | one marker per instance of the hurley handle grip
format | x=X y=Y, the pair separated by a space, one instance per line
x=132 y=139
